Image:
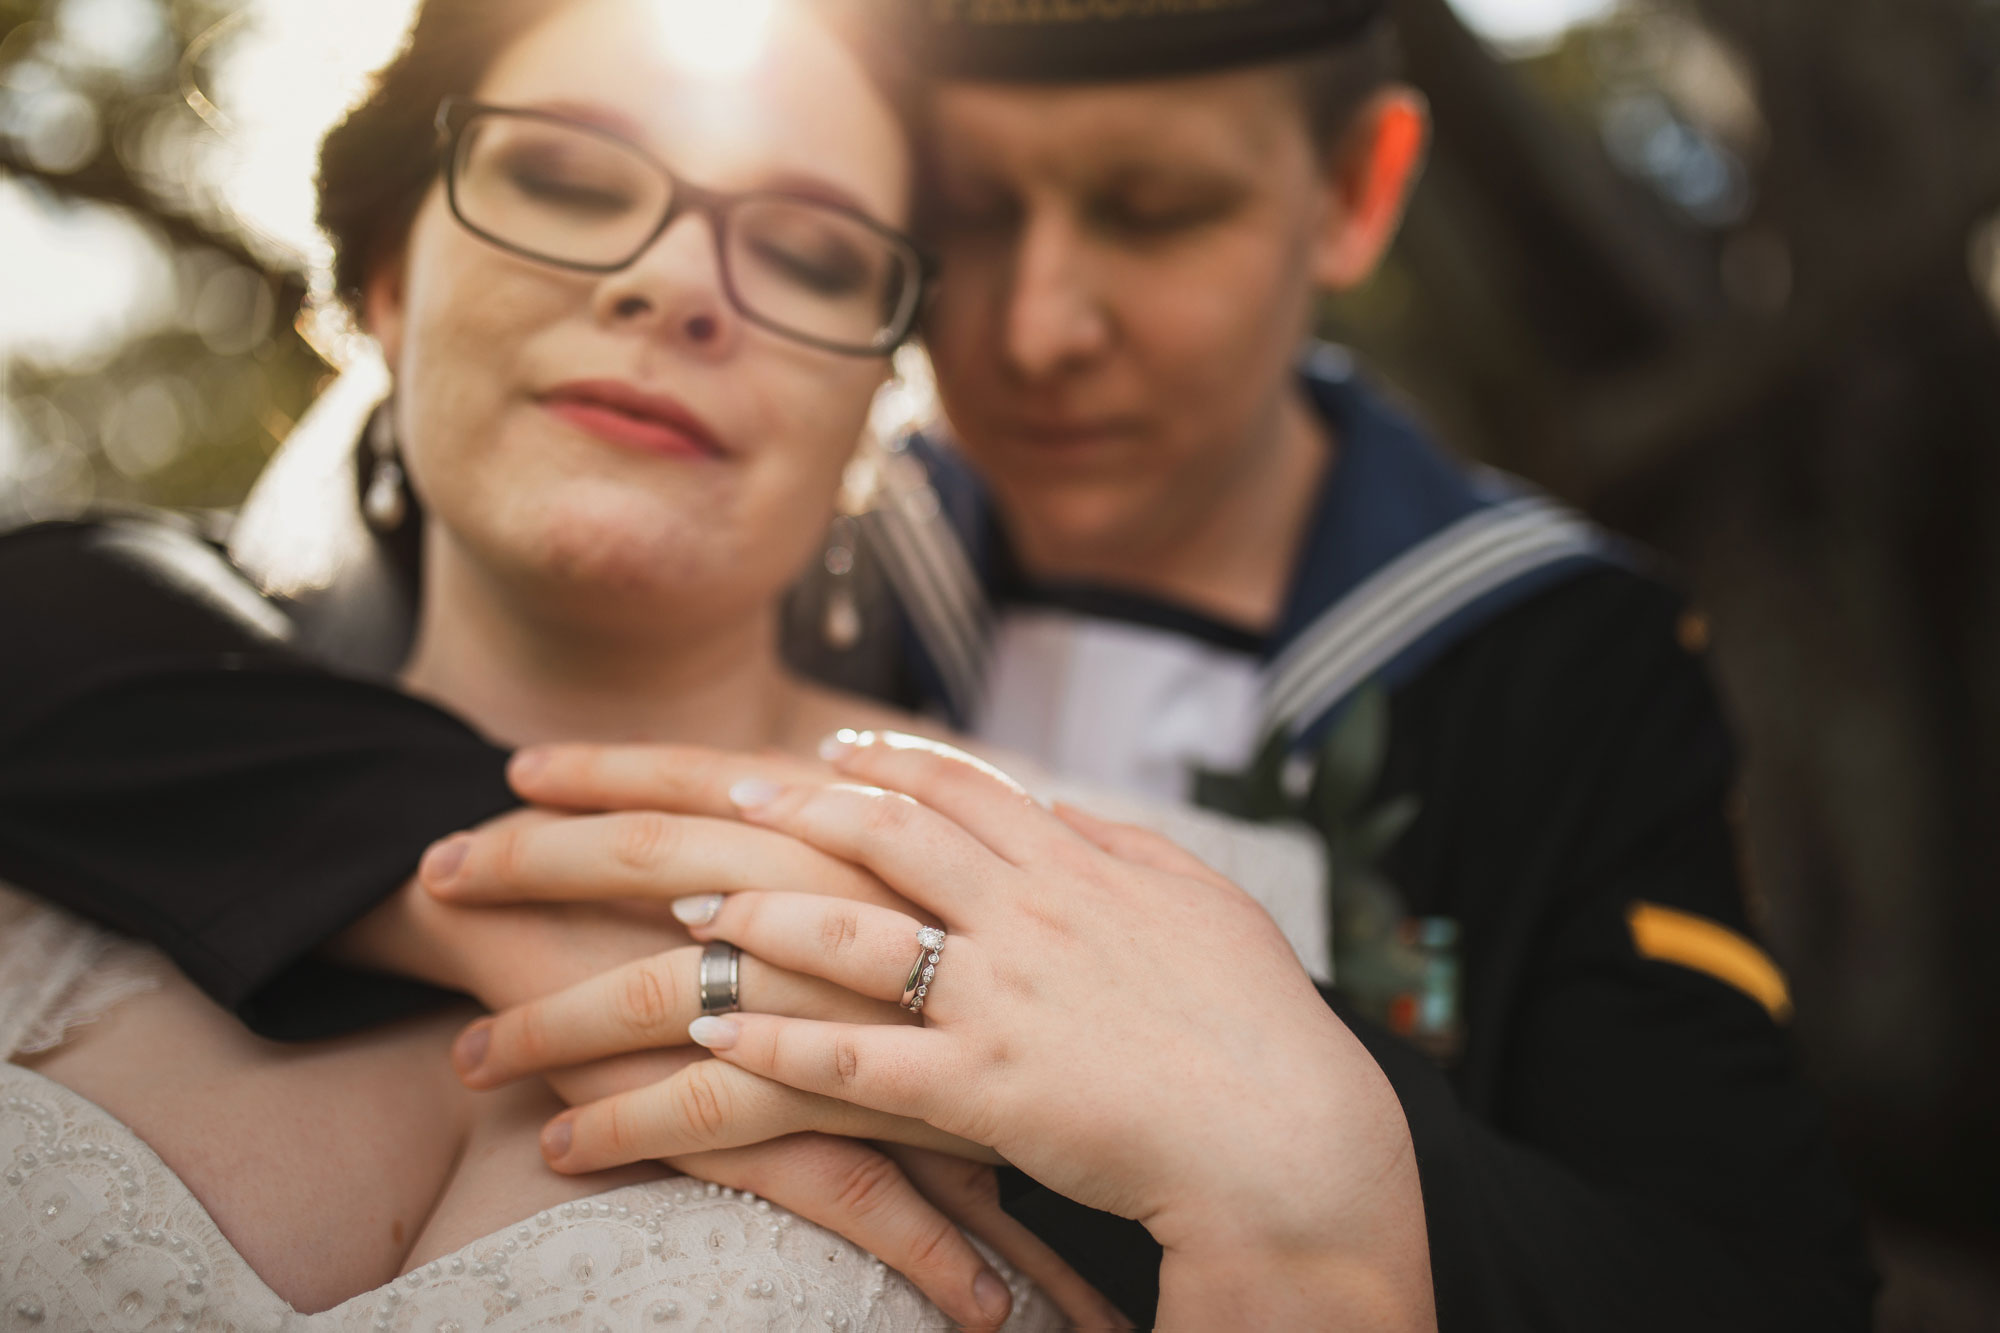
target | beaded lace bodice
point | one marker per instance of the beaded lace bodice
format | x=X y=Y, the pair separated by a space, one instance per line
x=98 y=1234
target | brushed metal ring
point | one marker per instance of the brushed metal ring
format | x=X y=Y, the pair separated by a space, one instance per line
x=718 y=980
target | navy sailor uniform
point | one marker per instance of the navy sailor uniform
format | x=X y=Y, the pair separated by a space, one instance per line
x=1406 y=552
x=1619 y=1142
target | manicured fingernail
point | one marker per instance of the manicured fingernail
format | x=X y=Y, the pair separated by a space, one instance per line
x=526 y=765
x=444 y=860
x=717 y=1034
x=751 y=793
x=469 y=1051
x=839 y=745
x=697 y=911
x=556 y=1137
x=992 y=1297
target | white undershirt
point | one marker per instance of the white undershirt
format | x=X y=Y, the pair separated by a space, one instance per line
x=1119 y=705
x=1125 y=713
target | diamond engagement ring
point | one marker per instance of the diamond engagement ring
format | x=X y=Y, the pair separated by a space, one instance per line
x=930 y=943
x=716 y=979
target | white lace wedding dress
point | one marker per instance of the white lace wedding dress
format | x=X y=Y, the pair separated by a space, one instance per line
x=98 y=1234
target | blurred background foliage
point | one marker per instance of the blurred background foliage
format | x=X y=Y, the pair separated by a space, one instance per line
x=150 y=329
x=176 y=389
x=1724 y=272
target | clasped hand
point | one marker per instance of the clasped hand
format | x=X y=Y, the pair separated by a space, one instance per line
x=1107 y=1013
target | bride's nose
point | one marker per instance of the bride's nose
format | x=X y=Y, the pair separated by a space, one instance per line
x=673 y=291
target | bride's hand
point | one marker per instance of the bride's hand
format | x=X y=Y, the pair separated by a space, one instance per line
x=913 y=1212
x=635 y=862
x=649 y=1004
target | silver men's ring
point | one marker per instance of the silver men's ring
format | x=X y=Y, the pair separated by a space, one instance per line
x=930 y=943
x=716 y=981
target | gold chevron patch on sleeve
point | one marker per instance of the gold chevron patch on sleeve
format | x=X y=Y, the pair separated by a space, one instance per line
x=1670 y=936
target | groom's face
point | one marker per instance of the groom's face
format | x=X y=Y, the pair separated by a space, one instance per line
x=1127 y=270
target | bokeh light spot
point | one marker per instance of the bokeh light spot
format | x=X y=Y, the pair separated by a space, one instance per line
x=127 y=37
x=60 y=131
x=76 y=279
x=144 y=429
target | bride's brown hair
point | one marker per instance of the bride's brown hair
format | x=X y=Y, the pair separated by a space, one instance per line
x=376 y=165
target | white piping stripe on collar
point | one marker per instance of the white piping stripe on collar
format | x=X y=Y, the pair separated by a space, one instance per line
x=1414 y=594
x=1349 y=642
x=1387 y=592
x=934 y=576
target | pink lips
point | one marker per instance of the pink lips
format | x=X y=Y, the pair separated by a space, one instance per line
x=620 y=414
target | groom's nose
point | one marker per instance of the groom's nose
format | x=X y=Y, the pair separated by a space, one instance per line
x=1054 y=315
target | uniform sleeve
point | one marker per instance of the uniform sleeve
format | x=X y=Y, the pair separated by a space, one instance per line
x=1627 y=1143
x=170 y=768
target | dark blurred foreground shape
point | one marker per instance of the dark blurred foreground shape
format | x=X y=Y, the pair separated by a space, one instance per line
x=1727 y=274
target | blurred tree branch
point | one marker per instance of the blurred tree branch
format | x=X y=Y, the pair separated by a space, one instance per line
x=104 y=181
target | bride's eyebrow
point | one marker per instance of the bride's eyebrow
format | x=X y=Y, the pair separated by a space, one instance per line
x=590 y=113
x=812 y=187
x=617 y=122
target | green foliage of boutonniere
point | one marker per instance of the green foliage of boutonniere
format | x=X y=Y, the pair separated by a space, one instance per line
x=1400 y=970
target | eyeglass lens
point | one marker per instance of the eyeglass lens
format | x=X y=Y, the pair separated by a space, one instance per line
x=573 y=196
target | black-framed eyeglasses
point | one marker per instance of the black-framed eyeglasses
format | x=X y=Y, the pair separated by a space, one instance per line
x=549 y=188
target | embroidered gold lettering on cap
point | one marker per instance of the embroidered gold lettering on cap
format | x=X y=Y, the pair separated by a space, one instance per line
x=1070 y=11
x=1093 y=41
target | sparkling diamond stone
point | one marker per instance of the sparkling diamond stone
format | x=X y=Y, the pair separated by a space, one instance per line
x=930 y=937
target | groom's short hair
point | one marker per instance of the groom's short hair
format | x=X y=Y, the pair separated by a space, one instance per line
x=1335 y=83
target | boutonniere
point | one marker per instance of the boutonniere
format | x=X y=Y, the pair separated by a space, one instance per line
x=1399 y=969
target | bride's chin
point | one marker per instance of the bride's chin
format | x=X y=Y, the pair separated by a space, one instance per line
x=645 y=570
x=587 y=550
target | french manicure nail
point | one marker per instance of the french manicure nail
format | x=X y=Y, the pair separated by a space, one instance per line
x=751 y=793
x=991 y=1295
x=444 y=860
x=839 y=745
x=717 y=1034
x=556 y=1137
x=469 y=1051
x=698 y=910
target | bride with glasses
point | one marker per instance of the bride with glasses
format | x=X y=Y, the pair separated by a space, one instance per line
x=634 y=317
x=799 y=258
x=625 y=401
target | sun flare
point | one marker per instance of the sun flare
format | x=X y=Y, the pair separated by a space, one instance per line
x=715 y=37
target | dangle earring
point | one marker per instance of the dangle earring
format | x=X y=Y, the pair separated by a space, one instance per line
x=904 y=403
x=385 y=504
x=840 y=625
